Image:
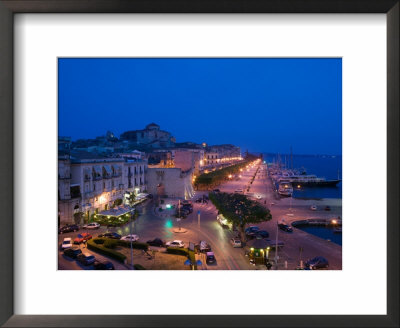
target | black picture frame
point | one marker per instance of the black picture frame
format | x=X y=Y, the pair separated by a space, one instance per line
x=10 y=7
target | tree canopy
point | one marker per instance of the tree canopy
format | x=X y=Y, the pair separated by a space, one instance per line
x=214 y=178
x=239 y=209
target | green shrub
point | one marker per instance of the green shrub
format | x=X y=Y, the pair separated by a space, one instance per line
x=139 y=267
x=135 y=244
x=177 y=251
x=105 y=251
x=118 y=202
x=110 y=243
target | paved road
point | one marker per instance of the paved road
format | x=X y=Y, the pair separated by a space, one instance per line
x=291 y=210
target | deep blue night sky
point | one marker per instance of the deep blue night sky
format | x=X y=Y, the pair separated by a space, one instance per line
x=263 y=105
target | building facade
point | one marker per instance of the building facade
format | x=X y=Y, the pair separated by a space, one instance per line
x=90 y=185
x=189 y=159
x=151 y=136
x=170 y=182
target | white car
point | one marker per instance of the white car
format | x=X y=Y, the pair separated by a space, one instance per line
x=313 y=208
x=130 y=238
x=175 y=243
x=93 y=225
x=258 y=197
x=67 y=243
x=236 y=242
x=239 y=191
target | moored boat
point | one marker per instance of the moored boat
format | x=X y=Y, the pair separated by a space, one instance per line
x=285 y=189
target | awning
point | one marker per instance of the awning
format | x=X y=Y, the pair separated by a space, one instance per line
x=117 y=168
x=108 y=169
x=141 y=196
x=97 y=169
x=258 y=243
x=116 y=212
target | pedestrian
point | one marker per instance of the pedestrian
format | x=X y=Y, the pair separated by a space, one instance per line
x=84 y=243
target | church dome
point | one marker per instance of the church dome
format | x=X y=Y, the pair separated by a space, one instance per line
x=152 y=126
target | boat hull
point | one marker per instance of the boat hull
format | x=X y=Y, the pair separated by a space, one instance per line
x=327 y=183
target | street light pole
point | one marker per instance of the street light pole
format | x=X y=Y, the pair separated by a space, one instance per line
x=276 y=246
x=130 y=232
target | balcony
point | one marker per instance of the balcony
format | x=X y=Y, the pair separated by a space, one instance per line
x=89 y=194
x=64 y=176
x=86 y=178
x=107 y=176
x=75 y=195
x=97 y=177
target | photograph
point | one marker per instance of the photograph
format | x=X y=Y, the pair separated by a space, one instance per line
x=199 y=163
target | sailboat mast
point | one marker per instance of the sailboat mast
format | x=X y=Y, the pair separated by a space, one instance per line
x=291 y=157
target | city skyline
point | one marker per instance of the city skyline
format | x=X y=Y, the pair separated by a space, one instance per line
x=95 y=95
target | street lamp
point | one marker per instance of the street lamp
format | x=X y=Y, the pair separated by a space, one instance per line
x=130 y=235
x=276 y=246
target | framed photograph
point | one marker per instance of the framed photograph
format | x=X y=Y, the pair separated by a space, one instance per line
x=199 y=163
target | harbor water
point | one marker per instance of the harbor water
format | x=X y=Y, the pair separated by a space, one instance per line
x=326 y=166
x=326 y=233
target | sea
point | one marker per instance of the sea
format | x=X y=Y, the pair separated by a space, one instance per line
x=327 y=166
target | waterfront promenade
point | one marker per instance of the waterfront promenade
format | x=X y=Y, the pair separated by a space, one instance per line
x=291 y=210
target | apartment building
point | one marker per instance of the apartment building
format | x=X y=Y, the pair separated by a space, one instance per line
x=89 y=183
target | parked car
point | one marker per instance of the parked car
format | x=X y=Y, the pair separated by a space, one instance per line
x=317 y=262
x=258 y=196
x=182 y=212
x=112 y=235
x=72 y=252
x=327 y=208
x=216 y=190
x=130 y=238
x=199 y=200
x=103 y=265
x=210 y=258
x=68 y=228
x=251 y=229
x=93 y=225
x=156 y=242
x=262 y=233
x=187 y=208
x=82 y=237
x=86 y=258
x=203 y=246
x=175 y=243
x=313 y=207
x=67 y=243
x=236 y=242
x=285 y=227
x=239 y=191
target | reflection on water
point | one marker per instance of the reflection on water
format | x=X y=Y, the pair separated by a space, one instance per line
x=326 y=233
